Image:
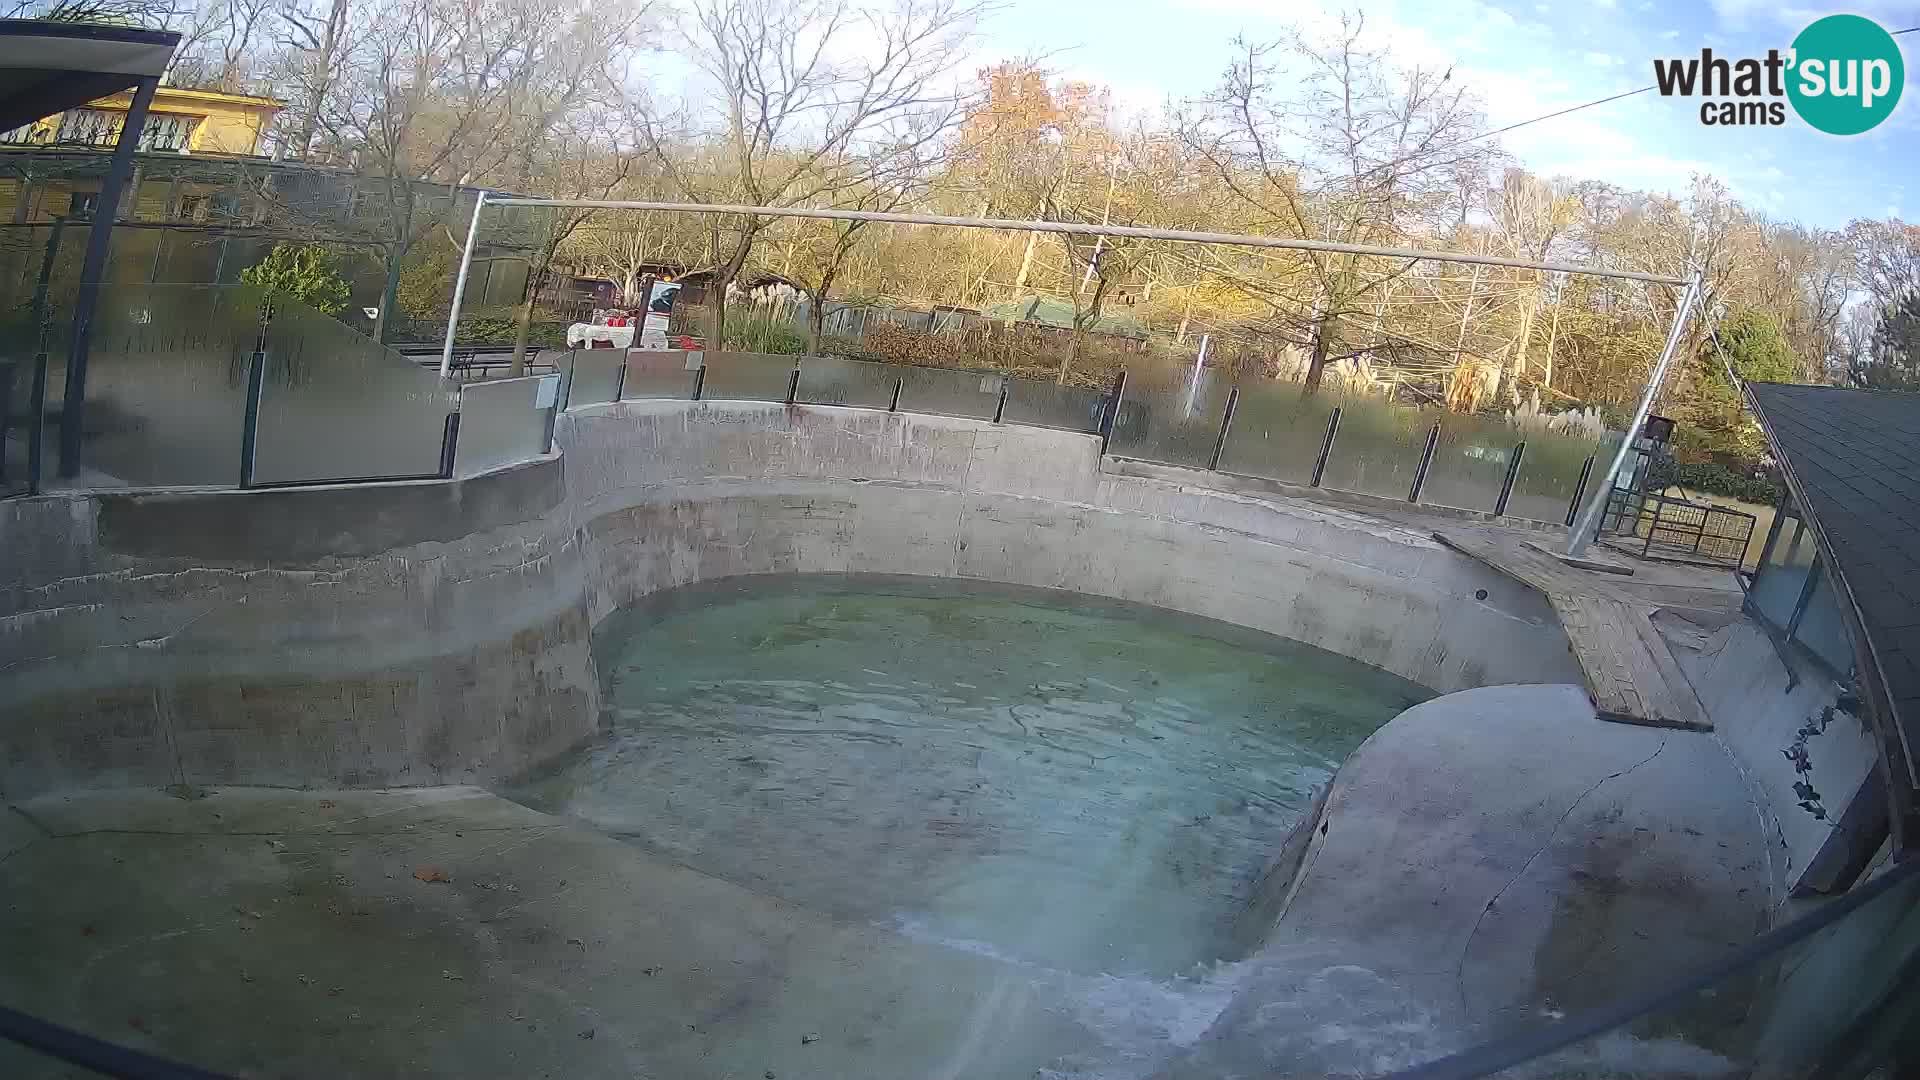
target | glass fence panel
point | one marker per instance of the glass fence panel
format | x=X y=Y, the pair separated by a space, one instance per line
x=166 y=385
x=1823 y=629
x=1469 y=462
x=1841 y=1002
x=1276 y=432
x=1378 y=448
x=659 y=373
x=829 y=380
x=1550 y=474
x=744 y=376
x=19 y=344
x=1168 y=416
x=1047 y=404
x=950 y=391
x=1777 y=583
x=593 y=376
x=337 y=405
x=504 y=421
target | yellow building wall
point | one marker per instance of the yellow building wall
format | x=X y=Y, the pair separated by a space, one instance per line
x=230 y=123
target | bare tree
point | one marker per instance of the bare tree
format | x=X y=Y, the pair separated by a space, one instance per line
x=315 y=39
x=157 y=14
x=805 y=90
x=1327 y=140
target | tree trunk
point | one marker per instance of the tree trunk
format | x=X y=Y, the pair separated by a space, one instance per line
x=1516 y=365
x=1553 y=331
x=1026 y=263
x=389 y=295
x=815 y=320
x=1324 y=328
x=1080 y=324
x=317 y=87
x=717 y=309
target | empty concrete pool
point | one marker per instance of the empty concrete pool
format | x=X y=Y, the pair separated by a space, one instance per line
x=740 y=740
x=1086 y=785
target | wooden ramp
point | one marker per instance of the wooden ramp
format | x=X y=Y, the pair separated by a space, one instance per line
x=1631 y=674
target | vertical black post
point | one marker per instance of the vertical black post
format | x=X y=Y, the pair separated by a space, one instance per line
x=1111 y=414
x=620 y=380
x=256 y=387
x=1579 y=489
x=1000 y=407
x=1326 y=447
x=1226 y=423
x=1426 y=462
x=449 y=445
x=250 y=422
x=793 y=384
x=43 y=324
x=894 y=405
x=1805 y=598
x=106 y=209
x=566 y=384
x=1513 y=473
x=699 y=381
x=1782 y=508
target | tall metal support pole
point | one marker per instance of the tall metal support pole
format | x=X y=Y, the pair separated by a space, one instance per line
x=460 y=285
x=1582 y=533
x=106 y=210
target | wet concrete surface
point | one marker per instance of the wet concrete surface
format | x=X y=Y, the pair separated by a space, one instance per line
x=1090 y=786
x=1485 y=864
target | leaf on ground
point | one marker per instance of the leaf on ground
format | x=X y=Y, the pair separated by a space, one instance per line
x=431 y=873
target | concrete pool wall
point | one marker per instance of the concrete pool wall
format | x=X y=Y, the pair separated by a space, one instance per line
x=437 y=632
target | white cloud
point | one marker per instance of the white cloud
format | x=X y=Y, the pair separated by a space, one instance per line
x=1600 y=59
x=1669 y=35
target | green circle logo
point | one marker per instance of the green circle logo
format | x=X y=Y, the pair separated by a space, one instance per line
x=1847 y=74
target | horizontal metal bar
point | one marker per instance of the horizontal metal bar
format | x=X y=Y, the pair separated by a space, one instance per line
x=410 y=478
x=1087 y=229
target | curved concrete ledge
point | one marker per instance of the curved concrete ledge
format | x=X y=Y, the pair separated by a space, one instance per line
x=436 y=632
x=1495 y=858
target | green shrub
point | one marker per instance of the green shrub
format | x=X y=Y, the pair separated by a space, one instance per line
x=765 y=334
x=1715 y=479
x=305 y=273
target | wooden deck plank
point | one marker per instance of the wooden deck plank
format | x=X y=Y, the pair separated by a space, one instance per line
x=1631 y=674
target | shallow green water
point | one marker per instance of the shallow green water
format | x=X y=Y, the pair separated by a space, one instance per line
x=1079 y=784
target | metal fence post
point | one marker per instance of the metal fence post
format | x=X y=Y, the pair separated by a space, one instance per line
x=1579 y=490
x=449 y=445
x=1326 y=446
x=566 y=392
x=699 y=381
x=1000 y=407
x=37 y=397
x=1426 y=462
x=1111 y=414
x=894 y=405
x=250 y=422
x=793 y=384
x=620 y=380
x=256 y=387
x=1513 y=473
x=1226 y=423
x=93 y=268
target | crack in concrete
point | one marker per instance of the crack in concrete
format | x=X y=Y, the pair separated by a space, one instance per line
x=1460 y=966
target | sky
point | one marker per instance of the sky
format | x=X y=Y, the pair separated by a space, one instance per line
x=1525 y=58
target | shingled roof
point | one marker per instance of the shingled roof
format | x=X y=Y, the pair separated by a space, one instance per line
x=1852 y=460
